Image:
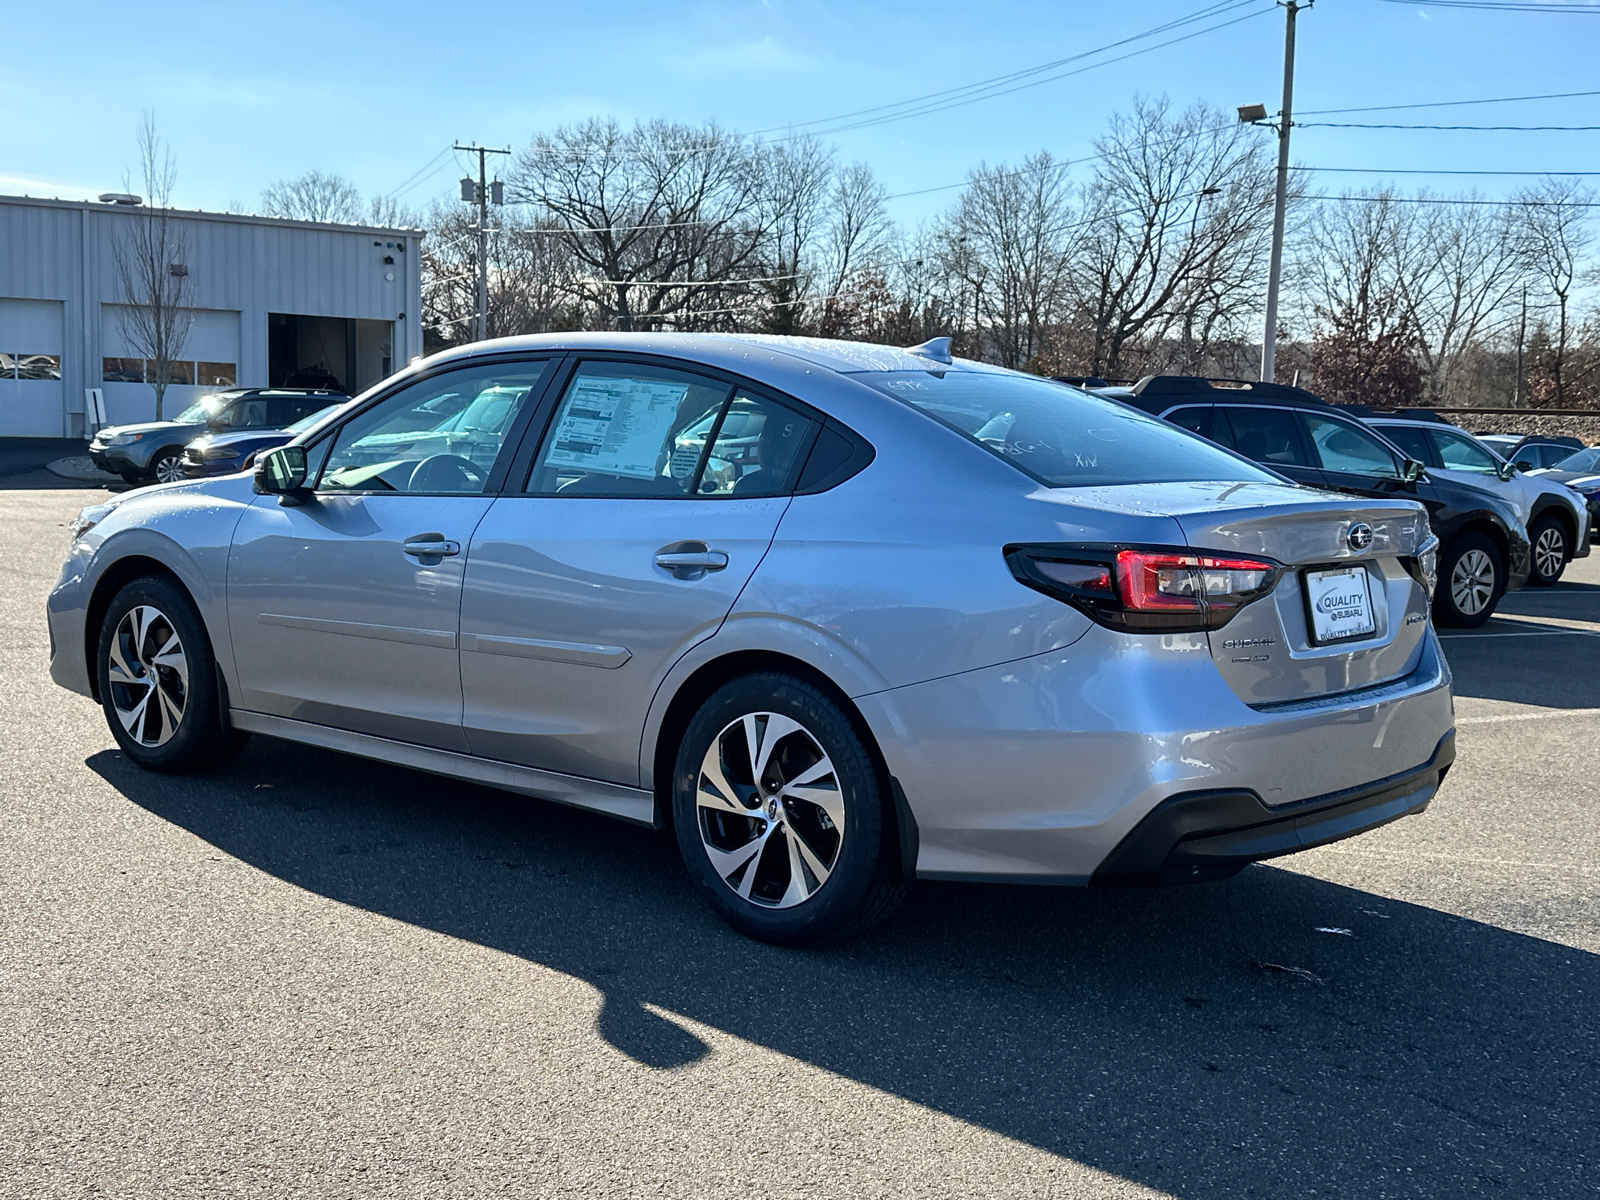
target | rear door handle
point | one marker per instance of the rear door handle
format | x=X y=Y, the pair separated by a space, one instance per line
x=690 y=560
x=430 y=545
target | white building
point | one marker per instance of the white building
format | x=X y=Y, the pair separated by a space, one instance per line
x=274 y=303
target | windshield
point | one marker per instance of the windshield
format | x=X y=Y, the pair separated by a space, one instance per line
x=201 y=410
x=1583 y=460
x=305 y=423
x=1059 y=435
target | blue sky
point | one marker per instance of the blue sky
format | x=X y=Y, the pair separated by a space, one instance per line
x=248 y=94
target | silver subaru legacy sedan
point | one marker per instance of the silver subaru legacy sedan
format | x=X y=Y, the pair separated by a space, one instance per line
x=840 y=615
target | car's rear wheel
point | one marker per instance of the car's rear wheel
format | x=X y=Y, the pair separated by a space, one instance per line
x=167 y=465
x=158 y=680
x=1472 y=579
x=1550 y=551
x=782 y=815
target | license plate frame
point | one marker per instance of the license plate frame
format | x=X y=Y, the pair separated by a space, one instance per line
x=1322 y=627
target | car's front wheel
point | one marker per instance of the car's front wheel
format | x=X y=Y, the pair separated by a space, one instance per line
x=781 y=813
x=1550 y=551
x=167 y=465
x=1472 y=579
x=158 y=680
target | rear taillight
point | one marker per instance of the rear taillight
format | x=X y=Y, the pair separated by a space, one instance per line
x=1145 y=588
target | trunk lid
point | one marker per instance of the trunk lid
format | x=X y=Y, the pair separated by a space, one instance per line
x=1268 y=654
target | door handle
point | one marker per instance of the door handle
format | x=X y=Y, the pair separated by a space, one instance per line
x=430 y=545
x=690 y=560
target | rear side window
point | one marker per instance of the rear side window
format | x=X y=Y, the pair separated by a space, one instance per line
x=1268 y=435
x=1059 y=435
x=755 y=451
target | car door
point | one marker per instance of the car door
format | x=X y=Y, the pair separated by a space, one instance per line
x=1355 y=460
x=344 y=608
x=652 y=496
x=1270 y=436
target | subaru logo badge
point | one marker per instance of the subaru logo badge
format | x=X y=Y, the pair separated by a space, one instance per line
x=1359 y=535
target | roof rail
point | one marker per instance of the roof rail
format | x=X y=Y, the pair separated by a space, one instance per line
x=1233 y=389
x=1082 y=381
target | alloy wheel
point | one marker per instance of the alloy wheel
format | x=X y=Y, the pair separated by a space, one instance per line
x=770 y=809
x=169 y=468
x=148 y=674
x=1472 y=582
x=1549 y=553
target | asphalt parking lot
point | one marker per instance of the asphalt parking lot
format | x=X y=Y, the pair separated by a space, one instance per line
x=307 y=975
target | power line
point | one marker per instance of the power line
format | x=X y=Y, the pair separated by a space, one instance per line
x=927 y=109
x=1502 y=6
x=1011 y=77
x=1440 y=171
x=395 y=191
x=1328 y=112
x=1477 y=128
x=1513 y=203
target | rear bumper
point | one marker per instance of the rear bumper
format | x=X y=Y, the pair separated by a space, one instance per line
x=1212 y=834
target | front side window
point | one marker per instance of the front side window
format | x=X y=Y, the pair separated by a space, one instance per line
x=1268 y=435
x=1196 y=419
x=1343 y=447
x=1059 y=435
x=1459 y=453
x=243 y=414
x=439 y=435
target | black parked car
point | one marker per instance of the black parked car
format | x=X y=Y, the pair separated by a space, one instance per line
x=1483 y=547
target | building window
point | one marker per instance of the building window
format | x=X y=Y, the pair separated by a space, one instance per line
x=30 y=366
x=143 y=370
x=122 y=370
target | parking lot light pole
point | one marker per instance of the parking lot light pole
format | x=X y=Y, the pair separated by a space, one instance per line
x=1269 y=337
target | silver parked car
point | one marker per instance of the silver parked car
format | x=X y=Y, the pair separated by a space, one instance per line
x=1555 y=516
x=901 y=616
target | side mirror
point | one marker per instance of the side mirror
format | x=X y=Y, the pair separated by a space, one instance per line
x=1505 y=471
x=282 y=472
x=1411 y=471
x=1523 y=464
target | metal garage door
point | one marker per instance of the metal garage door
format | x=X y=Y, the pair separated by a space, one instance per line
x=30 y=368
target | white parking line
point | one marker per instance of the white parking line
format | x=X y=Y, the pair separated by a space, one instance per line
x=1533 y=716
x=1367 y=852
x=1525 y=633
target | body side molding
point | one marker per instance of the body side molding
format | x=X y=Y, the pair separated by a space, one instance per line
x=633 y=805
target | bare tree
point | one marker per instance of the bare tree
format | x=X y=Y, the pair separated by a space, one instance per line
x=314 y=196
x=1008 y=240
x=1362 y=263
x=1553 y=232
x=793 y=195
x=664 y=221
x=1468 y=270
x=1177 y=222
x=151 y=253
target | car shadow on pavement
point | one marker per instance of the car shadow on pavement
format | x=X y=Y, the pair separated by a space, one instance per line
x=1271 y=1035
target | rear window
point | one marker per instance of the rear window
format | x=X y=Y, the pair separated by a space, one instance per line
x=1059 y=435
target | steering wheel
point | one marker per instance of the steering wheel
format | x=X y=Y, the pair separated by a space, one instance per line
x=446 y=473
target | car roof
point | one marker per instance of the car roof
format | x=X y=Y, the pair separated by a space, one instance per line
x=731 y=351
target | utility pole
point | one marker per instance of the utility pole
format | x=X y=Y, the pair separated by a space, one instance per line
x=480 y=193
x=1269 y=337
x=1522 y=330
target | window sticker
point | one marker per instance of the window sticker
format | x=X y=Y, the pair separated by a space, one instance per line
x=615 y=426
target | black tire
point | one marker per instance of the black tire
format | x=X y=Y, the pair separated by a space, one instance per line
x=1467 y=551
x=198 y=737
x=160 y=462
x=1552 y=548
x=864 y=880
